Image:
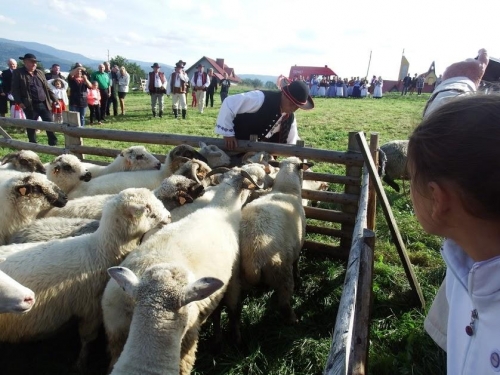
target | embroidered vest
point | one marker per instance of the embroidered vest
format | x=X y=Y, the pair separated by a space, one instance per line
x=172 y=84
x=203 y=78
x=152 y=80
x=263 y=120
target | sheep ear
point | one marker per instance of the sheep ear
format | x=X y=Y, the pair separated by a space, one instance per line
x=135 y=210
x=125 y=278
x=200 y=289
x=274 y=163
x=184 y=197
x=202 y=144
x=306 y=166
x=24 y=190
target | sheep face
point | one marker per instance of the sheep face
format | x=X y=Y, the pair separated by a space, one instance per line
x=179 y=189
x=66 y=171
x=140 y=208
x=30 y=187
x=138 y=158
x=14 y=298
x=186 y=151
x=24 y=161
x=215 y=156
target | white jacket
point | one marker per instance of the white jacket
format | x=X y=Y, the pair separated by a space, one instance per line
x=472 y=286
x=447 y=90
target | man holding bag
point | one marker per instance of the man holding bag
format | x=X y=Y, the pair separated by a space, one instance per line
x=33 y=95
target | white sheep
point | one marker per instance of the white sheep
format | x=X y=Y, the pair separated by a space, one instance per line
x=173 y=192
x=23 y=161
x=151 y=179
x=24 y=197
x=393 y=162
x=67 y=172
x=272 y=233
x=162 y=303
x=50 y=228
x=69 y=275
x=214 y=155
x=133 y=158
x=14 y=298
x=205 y=243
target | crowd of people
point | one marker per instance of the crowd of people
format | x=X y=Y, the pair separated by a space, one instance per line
x=338 y=87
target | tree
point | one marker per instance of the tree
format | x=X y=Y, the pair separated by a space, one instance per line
x=256 y=83
x=270 y=85
x=135 y=71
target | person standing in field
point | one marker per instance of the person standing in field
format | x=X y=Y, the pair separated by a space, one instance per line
x=179 y=81
x=225 y=84
x=199 y=83
x=5 y=89
x=123 y=79
x=211 y=89
x=156 y=86
x=104 y=81
x=78 y=83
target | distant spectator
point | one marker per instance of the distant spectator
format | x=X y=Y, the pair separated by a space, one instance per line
x=200 y=82
x=156 y=86
x=211 y=89
x=224 y=87
x=420 y=84
x=413 y=84
x=55 y=72
x=59 y=87
x=32 y=93
x=94 y=100
x=113 y=84
x=5 y=88
x=104 y=81
x=406 y=84
x=78 y=82
x=123 y=85
x=377 y=92
x=178 y=87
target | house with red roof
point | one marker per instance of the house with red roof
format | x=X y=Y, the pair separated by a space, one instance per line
x=307 y=71
x=219 y=67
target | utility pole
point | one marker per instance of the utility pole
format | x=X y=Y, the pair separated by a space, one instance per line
x=369 y=62
x=108 y=55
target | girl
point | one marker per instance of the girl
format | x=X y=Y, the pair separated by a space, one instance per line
x=454 y=164
x=94 y=100
x=194 y=103
x=59 y=88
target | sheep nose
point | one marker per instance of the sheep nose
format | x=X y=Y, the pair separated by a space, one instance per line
x=158 y=166
x=166 y=220
x=86 y=177
x=29 y=300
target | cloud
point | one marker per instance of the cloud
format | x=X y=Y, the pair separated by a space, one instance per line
x=7 y=20
x=51 y=28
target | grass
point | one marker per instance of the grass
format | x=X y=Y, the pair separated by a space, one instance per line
x=398 y=343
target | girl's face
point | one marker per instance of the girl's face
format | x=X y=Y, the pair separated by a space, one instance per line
x=57 y=85
x=95 y=86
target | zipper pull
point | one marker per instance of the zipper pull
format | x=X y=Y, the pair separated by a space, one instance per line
x=470 y=328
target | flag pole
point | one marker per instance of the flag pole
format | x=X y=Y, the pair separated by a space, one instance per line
x=369 y=62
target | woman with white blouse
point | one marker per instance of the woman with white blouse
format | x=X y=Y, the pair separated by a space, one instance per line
x=123 y=83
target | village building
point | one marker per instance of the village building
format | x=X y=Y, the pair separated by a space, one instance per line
x=219 y=67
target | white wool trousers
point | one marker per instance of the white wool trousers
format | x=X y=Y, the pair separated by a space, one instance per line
x=200 y=97
x=179 y=101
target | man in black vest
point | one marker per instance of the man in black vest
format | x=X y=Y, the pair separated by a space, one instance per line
x=267 y=114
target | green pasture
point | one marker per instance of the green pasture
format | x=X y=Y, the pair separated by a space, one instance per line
x=398 y=342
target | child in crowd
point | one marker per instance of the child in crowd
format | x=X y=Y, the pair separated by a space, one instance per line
x=194 y=103
x=94 y=100
x=59 y=88
x=454 y=164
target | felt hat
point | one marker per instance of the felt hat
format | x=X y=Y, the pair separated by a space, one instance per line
x=298 y=93
x=29 y=56
x=180 y=64
x=155 y=65
x=200 y=65
x=77 y=65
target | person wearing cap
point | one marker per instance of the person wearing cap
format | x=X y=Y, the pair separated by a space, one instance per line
x=200 y=82
x=156 y=86
x=267 y=114
x=32 y=93
x=5 y=88
x=179 y=81
x=55 y=73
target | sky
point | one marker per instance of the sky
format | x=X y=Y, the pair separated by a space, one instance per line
x=265 y=36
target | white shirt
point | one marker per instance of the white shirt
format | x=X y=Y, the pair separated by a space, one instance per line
x=158 y=83
x=177 y=81
x=248 y=102
x=447 y=90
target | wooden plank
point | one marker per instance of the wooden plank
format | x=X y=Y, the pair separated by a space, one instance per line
x=332 y=216
x=4 y=133
x=331 y=178
x=72 y=119
x=322 y=249
x=332 y=232
x=340 y=351
x=36 y=147
x=329 y=196
x=393 y=227
x=372 y=195
x=358 y=363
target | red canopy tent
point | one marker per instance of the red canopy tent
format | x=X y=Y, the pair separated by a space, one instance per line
x=307 y=71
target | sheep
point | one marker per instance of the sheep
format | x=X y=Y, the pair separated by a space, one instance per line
x=14 y=298
x=47 y=229
x=173 y=192
x=205 y=243
x=272 y=233
x=116 y=182
x=67 y=172
x=393 y=162
x=68 y=275
x=23 y=161
x=214 y=155
x=133 y=158
x=313 y=185
x=24 y=197
x=162 y=294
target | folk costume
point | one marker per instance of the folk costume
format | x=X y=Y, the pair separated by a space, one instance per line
x=178 y=86
x=200 y=82
x=156 y=86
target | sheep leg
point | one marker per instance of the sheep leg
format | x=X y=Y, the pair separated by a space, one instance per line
x=283 y=287
x=188 y=350
x=215 y=317
x=88 y=330
x=389 y=181
x=116 y=342
x=232 y=300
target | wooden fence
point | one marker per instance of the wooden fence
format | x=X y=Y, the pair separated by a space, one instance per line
x=344 y=227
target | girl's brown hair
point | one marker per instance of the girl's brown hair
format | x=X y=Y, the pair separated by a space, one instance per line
x=460 y=143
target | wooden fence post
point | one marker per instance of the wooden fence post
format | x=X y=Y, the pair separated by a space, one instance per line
x=372 y=194
x=72 y=119
x=351 y=171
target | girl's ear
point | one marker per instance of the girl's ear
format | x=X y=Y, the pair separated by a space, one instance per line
x=441 y=200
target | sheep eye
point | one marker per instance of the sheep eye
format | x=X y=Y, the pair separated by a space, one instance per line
x=23 y=162
x=36 y=189
x=139 y=157
x=67 y=167
x=153 y=216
